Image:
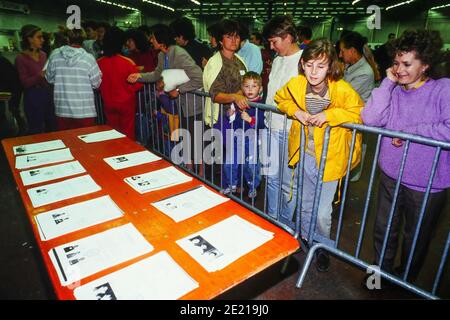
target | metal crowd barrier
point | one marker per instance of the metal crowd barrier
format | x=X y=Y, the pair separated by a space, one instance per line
x=152 y=132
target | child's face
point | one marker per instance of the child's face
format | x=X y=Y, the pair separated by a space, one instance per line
x=316 y=70
x=251 y=88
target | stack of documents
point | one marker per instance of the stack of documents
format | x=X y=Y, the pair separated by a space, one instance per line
x=158 y=277
x=38 y=147
x=55 y=223
x=43 y=158
x=44 y=174
x=63 y=190
x=189 y=203
x=157 y=180
x=217 y=246
x=131 y=159
x=101 y=136
x=79 y=259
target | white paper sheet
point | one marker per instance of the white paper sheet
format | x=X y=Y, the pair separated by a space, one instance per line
x=63 y=190
x=44 y=174
x=221 y=244
x=43 y=158
x=79 y=259
x=189 y=203
x=101 y=136
x=38 y=147
x=131 y=159
x=157 y=180
x=58 y=222
x=158 y=277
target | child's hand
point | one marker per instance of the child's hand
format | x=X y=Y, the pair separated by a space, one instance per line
x=230 y=112
x=245 y=116
x=303 y=117
x=318 y=119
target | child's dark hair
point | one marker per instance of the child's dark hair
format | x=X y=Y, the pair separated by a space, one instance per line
x=251 y=75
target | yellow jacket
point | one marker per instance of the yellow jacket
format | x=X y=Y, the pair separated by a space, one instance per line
x=345 y=107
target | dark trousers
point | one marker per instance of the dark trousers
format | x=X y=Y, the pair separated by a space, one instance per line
x=408 y=207
x=39 y=110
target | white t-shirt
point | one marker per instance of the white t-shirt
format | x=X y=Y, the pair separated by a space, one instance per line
x=283 y=69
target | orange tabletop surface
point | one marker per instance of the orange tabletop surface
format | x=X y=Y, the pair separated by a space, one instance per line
x=160 y=230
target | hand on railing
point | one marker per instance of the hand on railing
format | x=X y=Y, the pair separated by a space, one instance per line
x=134 y=77
x=174 y=93
x=160 y=85
x=303 y=117
x=241 y=101
x=318 y=119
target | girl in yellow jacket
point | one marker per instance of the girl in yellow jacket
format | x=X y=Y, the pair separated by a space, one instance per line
x=318 y=98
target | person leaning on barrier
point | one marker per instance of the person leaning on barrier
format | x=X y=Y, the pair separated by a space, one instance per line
x=409 y=100
x=316 y=99
x=172 y=56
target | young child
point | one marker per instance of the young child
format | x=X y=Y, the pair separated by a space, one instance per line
x=242 y=143
x=318 y=98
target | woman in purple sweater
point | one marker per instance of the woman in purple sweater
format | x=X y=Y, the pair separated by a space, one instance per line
x=411 y=101
x=38 y=101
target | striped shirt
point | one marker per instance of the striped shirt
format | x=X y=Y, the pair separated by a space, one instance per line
x=315 y=103
x=75 y=74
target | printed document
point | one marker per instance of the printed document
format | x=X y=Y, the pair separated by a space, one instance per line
x=38 y=147
x=79 y=259
x=44 y=174
x=101 y=136
x=43 y=158
x=130 y=160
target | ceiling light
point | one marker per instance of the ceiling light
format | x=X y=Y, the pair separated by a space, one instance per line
x=117 y=5
x=399 y=4
x=159 y=5
x=439 y=7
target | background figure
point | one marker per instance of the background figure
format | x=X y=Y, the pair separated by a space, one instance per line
x=304 y=34
x=257 y=39
x=139 y=50
x=172 y=56
x=185 y=37
x=250 y=53
x=10 y=82
x=38 y=101
x=410 y=100
x=382 y=56
x=119 y=96
x=360 y=74
x=282 y=37
x=73 y=67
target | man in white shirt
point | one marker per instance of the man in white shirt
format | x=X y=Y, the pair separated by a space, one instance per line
x=282 y=36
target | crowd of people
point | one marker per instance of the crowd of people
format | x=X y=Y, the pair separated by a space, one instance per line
x=316 y=83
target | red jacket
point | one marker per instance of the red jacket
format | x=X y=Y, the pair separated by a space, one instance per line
x=115 y=89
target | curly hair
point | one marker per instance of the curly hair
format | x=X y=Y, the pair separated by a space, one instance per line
x=427 y=44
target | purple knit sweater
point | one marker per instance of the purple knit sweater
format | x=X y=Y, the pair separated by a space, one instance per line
x=424 y=111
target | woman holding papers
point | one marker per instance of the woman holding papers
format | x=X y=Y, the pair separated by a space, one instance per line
x=172 y=56
x=119 y=96
x=30 y=64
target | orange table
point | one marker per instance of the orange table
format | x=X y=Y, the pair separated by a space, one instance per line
x=157 y=228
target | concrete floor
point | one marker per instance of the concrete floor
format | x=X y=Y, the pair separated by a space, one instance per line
x=23 y=276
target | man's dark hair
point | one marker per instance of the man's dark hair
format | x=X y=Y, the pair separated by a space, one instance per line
x=76 y=36
x=354 y=40
x=305 y=32
x=163 y=34
x=113 y=41
x=183 y=27
x=145 y=29
x=213 y=30
x=258 y=36
x=104 y=25
x=139 y=38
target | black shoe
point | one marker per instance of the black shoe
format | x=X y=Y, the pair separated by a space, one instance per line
x=322 y=260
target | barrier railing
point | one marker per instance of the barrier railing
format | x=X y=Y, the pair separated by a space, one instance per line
x=155 y=129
